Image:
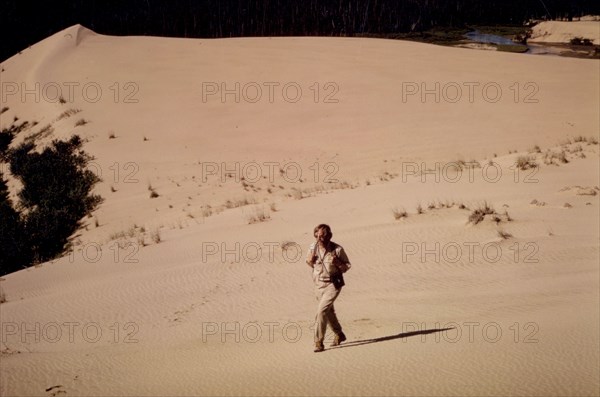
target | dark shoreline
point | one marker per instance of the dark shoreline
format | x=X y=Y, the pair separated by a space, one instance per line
x=453 y=37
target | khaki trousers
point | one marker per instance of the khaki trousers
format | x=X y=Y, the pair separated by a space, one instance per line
x=326 y=295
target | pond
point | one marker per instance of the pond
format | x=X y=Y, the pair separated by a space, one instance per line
x=537 y=48
x=488 y=38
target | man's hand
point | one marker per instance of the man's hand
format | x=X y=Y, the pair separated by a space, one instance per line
x=312 y=259
x=337 y=262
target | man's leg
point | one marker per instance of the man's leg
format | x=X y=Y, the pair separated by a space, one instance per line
x=333 y=320
x=328 y=295
x=336 y=327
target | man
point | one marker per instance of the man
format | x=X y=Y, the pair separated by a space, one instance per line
x=328 y=261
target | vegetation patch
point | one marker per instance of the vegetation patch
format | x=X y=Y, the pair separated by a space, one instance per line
x=55 y=197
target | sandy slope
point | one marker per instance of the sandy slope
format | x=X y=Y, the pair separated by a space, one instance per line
x=375 y=119
x=563 y=32
x=162 y=309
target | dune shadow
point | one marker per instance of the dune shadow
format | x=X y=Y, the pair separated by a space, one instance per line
x=389 y=337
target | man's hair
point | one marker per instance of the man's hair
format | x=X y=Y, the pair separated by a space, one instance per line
x=323 y=226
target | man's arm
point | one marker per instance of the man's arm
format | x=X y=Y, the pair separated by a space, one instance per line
x=341 y=260
x=312 y=256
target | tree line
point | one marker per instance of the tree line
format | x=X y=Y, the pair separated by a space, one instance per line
x=25 y=22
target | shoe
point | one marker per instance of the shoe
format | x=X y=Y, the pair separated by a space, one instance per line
x=319 y=347
x=339 y=338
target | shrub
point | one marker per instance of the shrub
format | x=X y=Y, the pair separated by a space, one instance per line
x=550 y=156
x=56 y=195
x=296 y=194
x=13 y=253
x=259 y=216
x=155 y=235
x=562 y=156
x=479 y=214
x=504 y=235
x=286 y=245
x=581 y=41
x=7 y=135
x=68 y=113
x=526 y=162
x=399 y=214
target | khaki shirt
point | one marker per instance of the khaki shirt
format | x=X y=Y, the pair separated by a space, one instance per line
x=324 y=265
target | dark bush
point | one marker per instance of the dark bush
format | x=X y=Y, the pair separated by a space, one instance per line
x=7 y=135
x=581 y=41
x=13 y=252
x=56 y=195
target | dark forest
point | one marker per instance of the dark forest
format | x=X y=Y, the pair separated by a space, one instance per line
x=25 y=22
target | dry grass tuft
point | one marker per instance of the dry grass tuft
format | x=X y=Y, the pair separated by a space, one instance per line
x=155 y=236
x=399 y=213
x=259 y=215
x=504 y=235
x=479 y=214
x=526 y=162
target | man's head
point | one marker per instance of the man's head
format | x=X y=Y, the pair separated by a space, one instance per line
x=323 y=233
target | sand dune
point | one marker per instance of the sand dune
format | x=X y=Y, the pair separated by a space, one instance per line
x=434 y=304
x=152 y=88
x=563 y=32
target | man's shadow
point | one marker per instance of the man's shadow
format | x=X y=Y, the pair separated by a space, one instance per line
x=390 y=337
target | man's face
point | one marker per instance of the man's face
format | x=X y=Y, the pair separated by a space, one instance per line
x=322 y=235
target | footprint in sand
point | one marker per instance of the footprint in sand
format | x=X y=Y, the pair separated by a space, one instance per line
x=56 y=391
x=538 y=203
x=9 y=352
x=581 y=190
x=179 y=315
